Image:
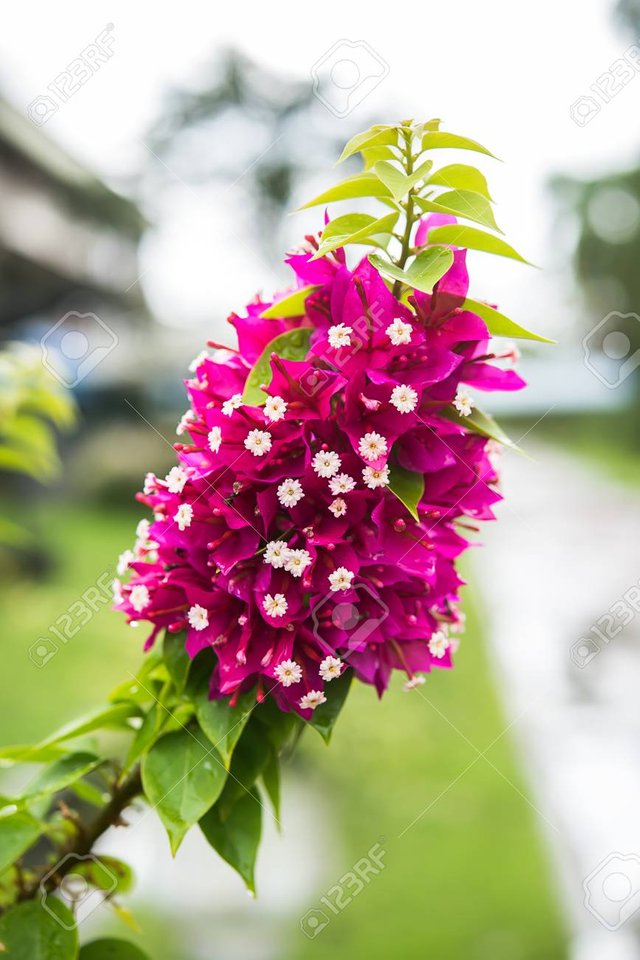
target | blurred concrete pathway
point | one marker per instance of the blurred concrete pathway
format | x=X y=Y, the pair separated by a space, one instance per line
x=559 y=577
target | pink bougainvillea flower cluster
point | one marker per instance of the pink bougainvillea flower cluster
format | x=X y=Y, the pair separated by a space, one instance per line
x=286 y=539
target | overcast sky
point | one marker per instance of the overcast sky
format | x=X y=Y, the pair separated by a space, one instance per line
x=499 y=71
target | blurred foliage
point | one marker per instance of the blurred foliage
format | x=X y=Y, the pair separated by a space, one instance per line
x=32 y=406
x=627 y=12
x=271 y=128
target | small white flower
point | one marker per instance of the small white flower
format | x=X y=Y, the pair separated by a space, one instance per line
x=276 y=553
x=376 y=478
x=198 y=617
x=330 y=668
x=176 y=479
x=415 y=681
x=214 y=439
x=123 y=562
x=199 y=360
x=275 y=409
x=233 y=404
x=464 y=402
x=404 y=398
x=142 y=530
x=116 y=588
x=185 y=420
x=184 y=516
x=290 y=492
x=399 y=332
x=276 y=605
x=343 y=483
x=312 y=700
x=326 y=463
x=438 y=645
x=258 y=442
x=340 y=579
x=372 y=446
x=339 y=336
x=139 y=597
x=150 y=483
x=338 y=507
x=288 y=672
x=297 y=561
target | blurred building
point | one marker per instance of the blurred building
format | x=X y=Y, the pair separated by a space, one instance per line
x=68 y=247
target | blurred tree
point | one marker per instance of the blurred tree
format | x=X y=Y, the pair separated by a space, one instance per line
x=606 y=211
x=32 y=406
x=272 y=129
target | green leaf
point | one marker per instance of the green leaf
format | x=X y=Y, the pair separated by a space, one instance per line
x=423 y=273
x=460 y=176
x=113 y=716
x=376 y=136
x=106 y=873
x=27 y=753
x=61 y=774
x=154 y=721
x=236 y=836
x=90 y=793
x=176 y=658
x=112 y=949
x=459 y=235
x=290 y=306
x=462 y=203
x=440 y=139
x=324 y=717
x=182 y=777
x=407 y=486
x=18 y=831
x=355 y=228
x=291 y=345
x=371 y=155
x=482 y=423
x=271 y=781
x=39 y=931
x=499 y=325
x=222 y=723
x=399 y=183
x=360 y=185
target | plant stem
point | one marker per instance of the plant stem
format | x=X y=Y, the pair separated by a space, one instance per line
x=109 y=816
x=405 y=251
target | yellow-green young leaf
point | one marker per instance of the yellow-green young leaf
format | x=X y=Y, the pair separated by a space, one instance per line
x=182 y=778
x=371 y=155
x=112 y=949
x=482 y=423
x=389 y=270
x=290 y=306
x=324 y=717
x=500 y=325
x=360 y=185
x=35 y=931
x=459 y=235
x=428 y=267
x=461 y=203
x=106 y=873
x=450 y=141
x=407 y=486
x=18 y=831
x=61 y=774
x=291 y=345
x=460 y=176
x=376 y=136
x=236 y=836
x=367 y=233
x=399 y=183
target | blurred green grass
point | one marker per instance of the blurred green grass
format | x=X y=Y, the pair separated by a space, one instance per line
x=468 y=879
